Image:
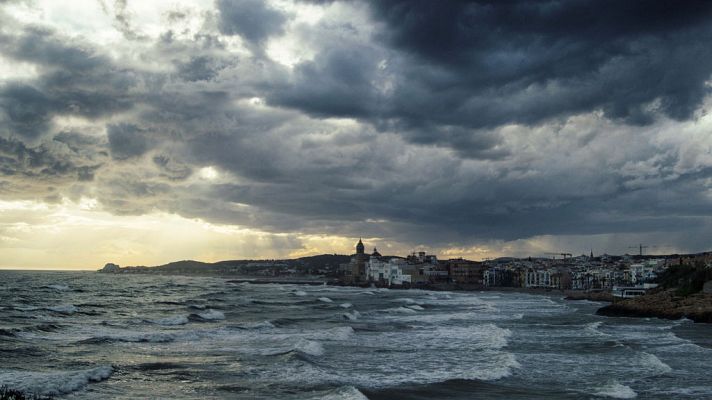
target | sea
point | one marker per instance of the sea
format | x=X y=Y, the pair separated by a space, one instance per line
x=87 y=335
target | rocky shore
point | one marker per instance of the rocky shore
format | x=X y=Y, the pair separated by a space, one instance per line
x=663 y=304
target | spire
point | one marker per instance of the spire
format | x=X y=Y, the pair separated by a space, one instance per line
x=591 y=253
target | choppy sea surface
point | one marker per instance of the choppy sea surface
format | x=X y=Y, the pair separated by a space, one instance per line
x=85 y=335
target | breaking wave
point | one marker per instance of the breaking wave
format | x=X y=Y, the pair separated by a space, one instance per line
x=171 y=321
x=59 y=287
x=616 y=390
x=53 y=383
x=209 y=315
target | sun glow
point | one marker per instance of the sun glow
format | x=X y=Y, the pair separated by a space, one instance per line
x=79 y=235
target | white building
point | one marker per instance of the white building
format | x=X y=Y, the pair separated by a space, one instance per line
x=388 y=272
x=538 y=278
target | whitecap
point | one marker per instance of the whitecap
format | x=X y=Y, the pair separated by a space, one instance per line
x=53 y=383
x=212 y=315
x=658 y=367
x=616 y=390
x=402 y=310
x=592 y=328
x=342 y=393
x=311 y=347
x=59 y=287
x=256 y=325
x=345 y=305
x=326 y=300
x=415 y=307
x=300 y=293
x=171 y=321
x=405 y=300
x=352 y=315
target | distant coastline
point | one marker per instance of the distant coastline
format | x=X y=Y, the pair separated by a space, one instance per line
x=324 y=269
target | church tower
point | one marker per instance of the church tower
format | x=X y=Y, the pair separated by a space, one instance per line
x=359 y=247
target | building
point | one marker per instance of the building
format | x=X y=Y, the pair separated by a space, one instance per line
x=354 y=272
x=464 y=271
x=394 y=271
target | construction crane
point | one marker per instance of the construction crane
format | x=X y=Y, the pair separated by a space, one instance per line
x=640 y=248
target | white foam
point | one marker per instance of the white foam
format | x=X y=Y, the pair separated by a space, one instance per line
x=171 y=321
x=415 y=307
x=212 y=315
x=53 y=383
x=345 y=305
x=64 y=309
x=342 y=393
x=25 y=308
x=354 y=315
x=405 y=300
x=257 y=325
x=326 y=300
x=401 y=310
x=300 y=293
x=61 y=288
x=616 y=390
x=311 y=347
x=658 y=367
x=592 y=328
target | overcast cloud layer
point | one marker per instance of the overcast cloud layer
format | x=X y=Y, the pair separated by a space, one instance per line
x=474 y=128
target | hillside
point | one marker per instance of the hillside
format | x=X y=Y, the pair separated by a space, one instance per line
x=323 y=264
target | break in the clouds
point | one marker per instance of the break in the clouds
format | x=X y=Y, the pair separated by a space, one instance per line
x=474 y=128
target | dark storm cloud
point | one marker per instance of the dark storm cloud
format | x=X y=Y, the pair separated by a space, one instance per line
x=198 y=69
x=127 y=141
x=254 y=20
x=337 y=83
x=41 y=171
x=74 y=80
x=25 y=110
x=456 y=121
x=483 y=64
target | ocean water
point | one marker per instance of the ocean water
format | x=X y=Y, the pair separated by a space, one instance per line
x=84 y=335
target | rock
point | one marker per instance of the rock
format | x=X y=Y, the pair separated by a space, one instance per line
x=663 y=304
x=707 y=288
x=110 y=268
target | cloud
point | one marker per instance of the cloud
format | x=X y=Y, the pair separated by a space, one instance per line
x=254 y=20
x=126 y=141
x=479 y=65
x=459 y=125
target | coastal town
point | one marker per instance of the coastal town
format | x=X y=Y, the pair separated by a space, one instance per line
x=670 y=286
x=623 y=276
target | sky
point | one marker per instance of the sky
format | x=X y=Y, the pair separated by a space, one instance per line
x=140 y=132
